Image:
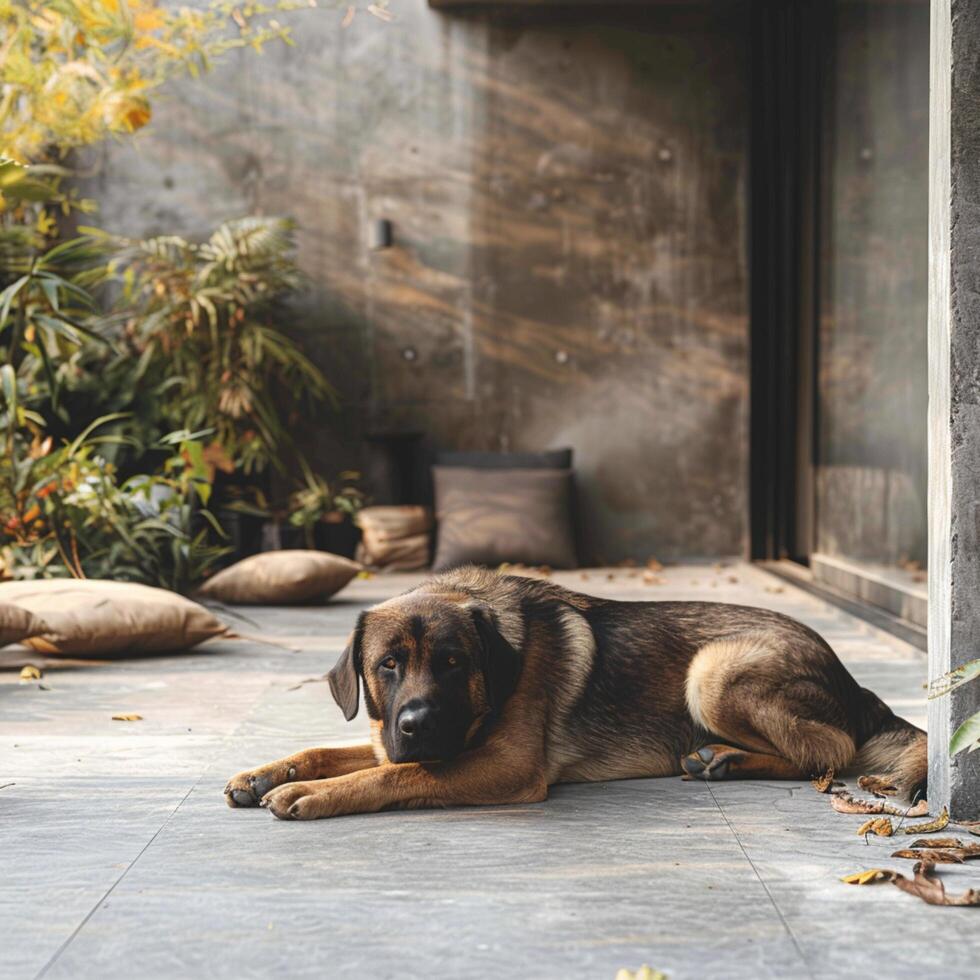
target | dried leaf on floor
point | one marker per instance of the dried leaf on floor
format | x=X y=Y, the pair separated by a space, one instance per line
x=826 y=782
x=931 y=890
x=870 y=877
x=936 y=856
x=130 y=717
x=30 y=673
x=932 y=826
x=941 y=842
x=877 y=785
x=644 y=973
x=881 y=826
x=650 y=579
x=844 y=802
x=653 y=565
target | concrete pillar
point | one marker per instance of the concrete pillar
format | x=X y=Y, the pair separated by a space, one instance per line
x=954 y=392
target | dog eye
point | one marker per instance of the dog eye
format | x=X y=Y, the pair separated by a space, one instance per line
x=389 y=664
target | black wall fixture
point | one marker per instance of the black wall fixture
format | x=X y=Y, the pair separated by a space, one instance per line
x=790 y=54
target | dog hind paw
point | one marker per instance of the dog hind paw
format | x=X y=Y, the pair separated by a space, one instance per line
x=711 y=762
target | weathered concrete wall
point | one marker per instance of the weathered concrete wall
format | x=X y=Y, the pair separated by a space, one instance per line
x=954 y=393
x=567 y=191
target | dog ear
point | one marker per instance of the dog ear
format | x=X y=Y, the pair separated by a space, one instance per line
x=346 y=674
x=501 y=663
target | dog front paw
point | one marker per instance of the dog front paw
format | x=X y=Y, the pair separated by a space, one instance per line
x=248 y=788
x=308 y=801
x=295 y=801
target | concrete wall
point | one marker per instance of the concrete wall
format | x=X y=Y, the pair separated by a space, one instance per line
x=568 y=196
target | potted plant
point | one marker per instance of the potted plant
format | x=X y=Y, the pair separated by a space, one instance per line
x=321 y=515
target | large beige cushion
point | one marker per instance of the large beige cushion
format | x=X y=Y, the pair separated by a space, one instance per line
x=93 y=616
x=16 y=624
x=277 y=578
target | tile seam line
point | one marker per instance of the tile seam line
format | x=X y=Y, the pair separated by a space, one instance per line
x=91 y=912
x=759 y=878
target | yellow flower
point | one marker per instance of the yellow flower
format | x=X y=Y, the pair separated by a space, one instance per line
x=124 y=112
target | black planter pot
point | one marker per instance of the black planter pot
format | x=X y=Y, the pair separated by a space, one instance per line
x=244 y=533
x=339 y=539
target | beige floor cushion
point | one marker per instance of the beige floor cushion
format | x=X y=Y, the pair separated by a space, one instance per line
x=17 y=624
x=395 y=537
x=277 y=578
x=97 y=617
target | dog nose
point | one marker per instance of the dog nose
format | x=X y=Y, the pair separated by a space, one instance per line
x=416 y=720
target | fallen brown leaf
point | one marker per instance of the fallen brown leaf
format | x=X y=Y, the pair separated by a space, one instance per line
x=654 y=566
x=870 y=877
x=877 y=785
x=936 y=856
x=127 y=717
x=932 y=826
x=644 y=973
x=881 y=826
x=825 y=783
x=844 y=802
x=30 y=673
x=942 y=842
x=931 y=890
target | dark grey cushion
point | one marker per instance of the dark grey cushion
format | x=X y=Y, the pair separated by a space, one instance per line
x=550 y=459
x=487 y=516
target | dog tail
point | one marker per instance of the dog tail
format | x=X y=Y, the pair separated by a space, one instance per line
x=892 y=747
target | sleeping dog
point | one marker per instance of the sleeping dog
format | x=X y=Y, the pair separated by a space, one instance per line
x=485 y=688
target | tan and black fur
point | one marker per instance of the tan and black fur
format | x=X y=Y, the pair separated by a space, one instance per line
x=525 y=684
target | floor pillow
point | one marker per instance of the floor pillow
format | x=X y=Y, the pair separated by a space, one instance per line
x=17 y=624
x=487 y=517
x=395 y=537
x=548 y=459
x=278 y=578
x=96 y=616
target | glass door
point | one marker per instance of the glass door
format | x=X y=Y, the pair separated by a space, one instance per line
x=869 y=474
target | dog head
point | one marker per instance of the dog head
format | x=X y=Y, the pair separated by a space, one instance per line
x=435 y=670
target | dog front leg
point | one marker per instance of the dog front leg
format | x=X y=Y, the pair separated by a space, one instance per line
x=483 y=777
x=247 y=788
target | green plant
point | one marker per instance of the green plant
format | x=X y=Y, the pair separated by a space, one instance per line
x=318 y=501
x=210 y=311
x=156 y=529
x=45 y=311
x=967 y=735
x=66 y=513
